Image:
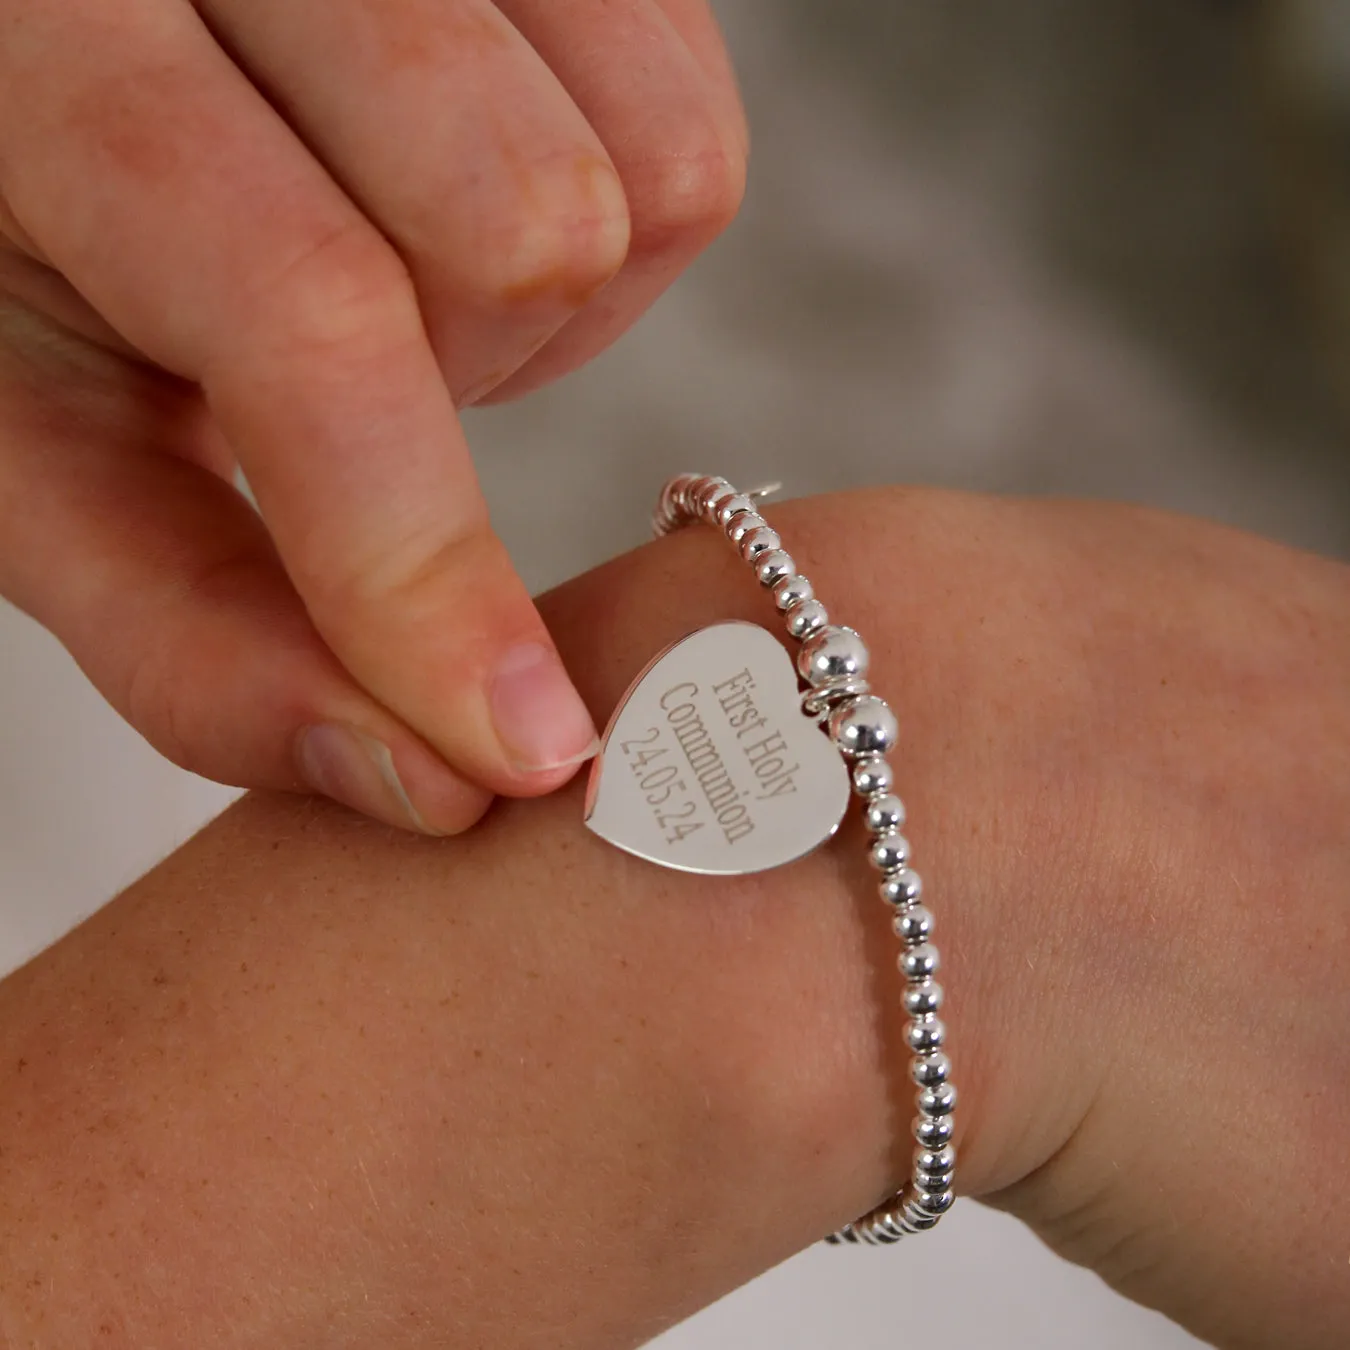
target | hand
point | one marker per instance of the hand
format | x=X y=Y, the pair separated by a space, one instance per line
x=293 y=235
x=523 y=1090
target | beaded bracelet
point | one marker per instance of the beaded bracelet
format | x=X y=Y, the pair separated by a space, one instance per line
x=715 y=763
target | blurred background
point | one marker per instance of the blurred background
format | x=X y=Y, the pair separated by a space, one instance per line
x=1046 y=247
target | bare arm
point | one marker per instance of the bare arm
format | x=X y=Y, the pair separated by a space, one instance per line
x=315 y=1083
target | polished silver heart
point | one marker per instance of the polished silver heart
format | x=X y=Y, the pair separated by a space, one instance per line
x=709 y=765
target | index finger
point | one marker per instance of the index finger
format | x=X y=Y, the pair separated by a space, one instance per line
x=176 y=199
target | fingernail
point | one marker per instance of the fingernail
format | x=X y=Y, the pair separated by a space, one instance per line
x=539 y=716
x=358 y=771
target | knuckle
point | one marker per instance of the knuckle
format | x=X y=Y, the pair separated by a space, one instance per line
x=343 y=288
x=569 y=237
x=689 y=198
x=416 y=578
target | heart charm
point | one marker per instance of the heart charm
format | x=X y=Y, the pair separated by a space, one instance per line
x=709 y=765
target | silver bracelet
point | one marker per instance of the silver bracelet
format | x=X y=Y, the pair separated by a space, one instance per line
x=715 y=763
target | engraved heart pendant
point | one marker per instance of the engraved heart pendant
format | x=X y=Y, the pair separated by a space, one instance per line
x=709 y=765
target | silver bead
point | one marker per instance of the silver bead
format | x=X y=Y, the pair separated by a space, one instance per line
x=914 y=923
x=762 y=540
x=937 y=1101
x=872 y=775
x=739 y=526
x=929 y=1185
x=792 y=590
x=926 y=1034
x=709 y=497
x=834 y=653
x=884 y=813
x=889 y=852
x=922 y=998
x=934 y=1131
x=931 y=1069
x=919 y=963
x=935 y=1204
x=806 y=617
x=733 y=505
x=864 y=726
x=904 y=888
x=918 y=1220
x=935 y=1162
x=773 y=566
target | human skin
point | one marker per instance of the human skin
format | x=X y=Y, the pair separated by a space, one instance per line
x=297 y=236
x=314 y=1082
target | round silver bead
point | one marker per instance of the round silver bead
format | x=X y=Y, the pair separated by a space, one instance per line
x=935 y=1204
x=889 y=852
x=934 y=1131
x=937 y=1101
x=806 y=617
x=732 y=506
x=884 y=813
x=773 y=566
x=711 y=495
x=931 y=1069
x=834 y=653
x=756 y=542
x=914 y=923
x=745 y=523
x=925 y=1035
x=904 y=888
x=919 y=963
x=935 y=1185
x=918 y=1220
x=935 y=1162
x=922 y=998
x=864 y=726
x=872 y=776
x=792 y=591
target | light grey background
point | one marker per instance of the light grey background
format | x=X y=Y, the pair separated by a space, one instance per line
x=1031 y=247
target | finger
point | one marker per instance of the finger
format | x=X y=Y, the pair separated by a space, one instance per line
x=673 y=131
x=695 y=22
x=164 y=586
x=457 y=140
x=247 y=269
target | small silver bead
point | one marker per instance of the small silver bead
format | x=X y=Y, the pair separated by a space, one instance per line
x=919 y=963
x=733 y=505
x=792 y=591
x=937 y=1101
x=773 y=566
x=884 y=813
x=933 y=1183
x=755 y=542
x=935 y=1162
x=934 y=1131
x=918 y=1220
x=864 y=726
x=931 y=1069
x=922 y=998
x=889 y=852
x=743 y=524
x=806 y=617
x=872 y=775
x=935 y=1204
x=709 y=497
x=904 y=888
x=834 y=653
x=914 y=923
x=926 y=1034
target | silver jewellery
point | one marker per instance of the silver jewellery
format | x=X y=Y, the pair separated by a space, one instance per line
x=715 y=763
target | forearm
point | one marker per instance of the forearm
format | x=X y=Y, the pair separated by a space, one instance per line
x=315 y=1083
x=311 y=1081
